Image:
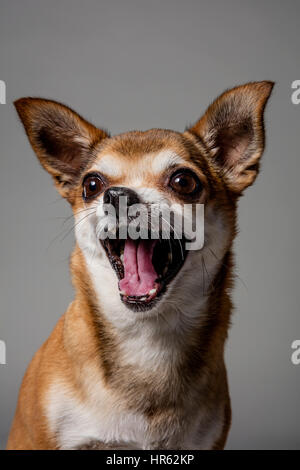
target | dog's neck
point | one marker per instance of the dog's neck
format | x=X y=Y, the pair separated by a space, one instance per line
x=174 y=335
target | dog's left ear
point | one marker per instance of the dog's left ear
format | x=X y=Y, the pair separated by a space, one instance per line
x=62 y=140
x=232 y=129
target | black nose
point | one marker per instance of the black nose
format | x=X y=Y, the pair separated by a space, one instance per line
x=112 y=194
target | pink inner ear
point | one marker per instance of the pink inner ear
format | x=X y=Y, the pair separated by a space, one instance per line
x=233 y=143
x=236 y=151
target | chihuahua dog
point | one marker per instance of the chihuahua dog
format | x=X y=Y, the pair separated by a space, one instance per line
x=137 y=360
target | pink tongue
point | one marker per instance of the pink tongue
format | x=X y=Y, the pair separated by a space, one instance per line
x=139 y=277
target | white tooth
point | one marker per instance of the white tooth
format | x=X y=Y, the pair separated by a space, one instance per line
x=122 y=292
x=122 y=257
x=152 y=291
x=143 y=298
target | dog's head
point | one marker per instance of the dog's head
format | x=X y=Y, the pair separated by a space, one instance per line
x=141 y=174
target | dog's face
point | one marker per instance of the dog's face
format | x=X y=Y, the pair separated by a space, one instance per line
x=147 y=172
x=154 y=171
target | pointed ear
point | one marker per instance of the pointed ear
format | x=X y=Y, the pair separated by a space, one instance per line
x=233 y=131
x=62 y=140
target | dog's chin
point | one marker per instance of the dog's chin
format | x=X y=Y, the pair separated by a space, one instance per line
x=145 y=269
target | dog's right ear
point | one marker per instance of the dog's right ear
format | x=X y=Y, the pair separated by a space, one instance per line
x=232 y=129
x=62 y=140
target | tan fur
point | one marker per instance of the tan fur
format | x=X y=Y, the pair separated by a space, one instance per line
x=85 y=351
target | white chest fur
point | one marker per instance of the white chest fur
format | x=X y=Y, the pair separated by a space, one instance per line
x=103 y=419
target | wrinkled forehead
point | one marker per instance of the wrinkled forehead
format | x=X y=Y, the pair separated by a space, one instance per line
x=135 y=156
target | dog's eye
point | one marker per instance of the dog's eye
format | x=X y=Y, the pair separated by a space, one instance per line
x=92 y=186
x=185 y=182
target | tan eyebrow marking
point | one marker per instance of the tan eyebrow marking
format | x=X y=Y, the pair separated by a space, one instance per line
x=164 y=160
x=109 y=165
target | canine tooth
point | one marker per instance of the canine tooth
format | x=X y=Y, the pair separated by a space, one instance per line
x=122 y=292
x=122 y=257
x=143 y=298
x=152 y=291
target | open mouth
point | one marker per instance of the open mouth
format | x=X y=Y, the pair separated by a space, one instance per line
x=144 y=267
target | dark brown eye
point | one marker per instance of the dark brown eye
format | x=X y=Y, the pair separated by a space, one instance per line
x=185 y=182
x=92 y=186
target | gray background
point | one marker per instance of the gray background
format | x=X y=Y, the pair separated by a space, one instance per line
x=128 y=64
